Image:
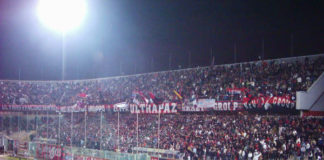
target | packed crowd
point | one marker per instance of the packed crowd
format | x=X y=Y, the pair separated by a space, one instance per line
x=14 y=123
x=194 y=135
x=234 y=136
x=269 y=78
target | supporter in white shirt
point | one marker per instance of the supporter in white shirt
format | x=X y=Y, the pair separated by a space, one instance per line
x=256 y=155
x=308 y=146
x=250 y=155
x=243 y=153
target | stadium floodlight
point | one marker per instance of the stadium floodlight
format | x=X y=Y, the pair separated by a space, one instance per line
x=61 y=15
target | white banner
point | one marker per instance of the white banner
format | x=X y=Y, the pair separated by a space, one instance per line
x=206 y=103
x=153 y=108
x=74 y=108
x=227 y=106
x=96 y=108
x=192 y=108
x=28 y=108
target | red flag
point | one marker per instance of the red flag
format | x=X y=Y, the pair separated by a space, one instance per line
x=143 y=97
x=151 y=95
x=82 y=95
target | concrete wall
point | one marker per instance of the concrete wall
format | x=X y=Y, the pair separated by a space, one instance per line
x=313 y=98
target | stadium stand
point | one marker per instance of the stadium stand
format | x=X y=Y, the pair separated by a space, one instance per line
x=236 y=111
x=270 y=78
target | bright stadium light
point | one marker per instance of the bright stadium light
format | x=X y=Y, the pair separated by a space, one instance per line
x=61 y=15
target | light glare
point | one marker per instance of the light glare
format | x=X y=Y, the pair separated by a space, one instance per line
x=61 y=15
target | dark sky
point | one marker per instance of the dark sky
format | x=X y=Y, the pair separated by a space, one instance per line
x=137 y=36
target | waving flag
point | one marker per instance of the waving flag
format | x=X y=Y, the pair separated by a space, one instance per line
x=141 y=94
x=83 y=95
x=176 y=93
x=155 y=99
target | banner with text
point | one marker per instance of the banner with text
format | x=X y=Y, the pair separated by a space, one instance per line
x=266 y=103
x=201 y=105
x=212 y=105
x=153 y=108
x=28 y=108
x=257 y=103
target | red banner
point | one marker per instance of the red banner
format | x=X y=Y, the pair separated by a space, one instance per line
x=268 y=102
x=47 y=151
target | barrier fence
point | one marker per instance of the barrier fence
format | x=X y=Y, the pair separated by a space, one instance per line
x=56 y=152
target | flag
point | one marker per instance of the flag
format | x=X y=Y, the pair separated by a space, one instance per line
x=82 y=95
x=155 y=99
x=176 y=93
x=143 y=97
x=152 y=95
x=122 y=105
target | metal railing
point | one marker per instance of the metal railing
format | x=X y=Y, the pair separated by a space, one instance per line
x=70 y=152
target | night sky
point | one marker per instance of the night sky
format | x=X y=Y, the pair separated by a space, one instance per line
x=135 y=36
